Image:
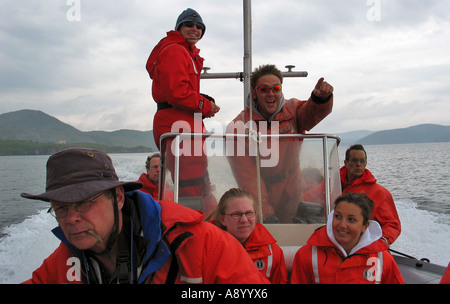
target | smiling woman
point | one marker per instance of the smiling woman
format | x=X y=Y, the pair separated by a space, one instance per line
x=349 y=250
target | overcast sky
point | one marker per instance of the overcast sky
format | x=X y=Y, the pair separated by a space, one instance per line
x=83 y=61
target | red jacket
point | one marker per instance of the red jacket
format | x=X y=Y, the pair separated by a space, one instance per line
x=267 y=255
x=175 y=67
x=205 y=253
x=320 y=261
x=149 y=186
x=446 y=277
x=280 y=183
x=384 y=212
x=152 y=189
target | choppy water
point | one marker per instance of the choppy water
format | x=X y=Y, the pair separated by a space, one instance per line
x=417 y=176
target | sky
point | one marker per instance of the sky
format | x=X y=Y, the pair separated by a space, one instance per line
x=83 y=61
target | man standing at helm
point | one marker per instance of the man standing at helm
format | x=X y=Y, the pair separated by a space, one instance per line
x=174 y=66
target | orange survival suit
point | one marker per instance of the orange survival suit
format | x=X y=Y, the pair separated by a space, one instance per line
x=281 y=189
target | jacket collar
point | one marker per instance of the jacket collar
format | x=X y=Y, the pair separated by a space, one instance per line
x=366 y=178
x=260 y=236
x=173 y=37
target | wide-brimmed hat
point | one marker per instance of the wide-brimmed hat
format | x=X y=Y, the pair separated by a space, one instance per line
x=76 y=174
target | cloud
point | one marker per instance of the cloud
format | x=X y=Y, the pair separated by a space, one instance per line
x=91 y=73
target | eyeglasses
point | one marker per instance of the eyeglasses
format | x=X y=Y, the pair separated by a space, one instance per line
x=237 y=215
x=356 y=160
x=266 y=89
x=191 y=24
x=80 y=207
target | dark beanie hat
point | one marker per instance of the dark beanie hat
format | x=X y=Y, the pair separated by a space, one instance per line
x=189 y=15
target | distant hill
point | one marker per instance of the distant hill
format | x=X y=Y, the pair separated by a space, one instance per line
x=349 y=138
x=39 y=127
x=425 y=133
x=35 y=132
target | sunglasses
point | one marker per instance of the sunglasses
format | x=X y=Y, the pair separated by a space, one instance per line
x=266 y=89
x=191 y=24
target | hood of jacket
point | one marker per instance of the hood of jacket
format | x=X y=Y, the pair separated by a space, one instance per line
x=370 y=240
x=173 y=37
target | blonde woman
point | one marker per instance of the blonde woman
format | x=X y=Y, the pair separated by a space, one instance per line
x=236 y=214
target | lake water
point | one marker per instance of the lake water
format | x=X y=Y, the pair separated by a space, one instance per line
x=417 y=175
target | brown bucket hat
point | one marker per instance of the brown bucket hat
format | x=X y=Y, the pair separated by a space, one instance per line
x=76 y=174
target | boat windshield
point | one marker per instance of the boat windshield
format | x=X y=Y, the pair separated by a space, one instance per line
x=293 y=178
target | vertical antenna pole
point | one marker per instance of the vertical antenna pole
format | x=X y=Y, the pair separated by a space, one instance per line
x=247 y=50
x=253 y=135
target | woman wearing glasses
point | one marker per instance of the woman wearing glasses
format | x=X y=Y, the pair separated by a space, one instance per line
x=236 y=214
x=274 y=114
x=174 y=66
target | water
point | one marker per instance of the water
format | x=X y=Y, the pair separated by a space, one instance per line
x=416 y=175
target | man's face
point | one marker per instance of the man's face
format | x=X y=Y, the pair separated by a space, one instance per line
x=78 y=227
x=356 y=164
x=267 y=102
x=153 y=170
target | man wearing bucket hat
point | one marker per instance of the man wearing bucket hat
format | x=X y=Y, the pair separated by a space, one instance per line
x=111 y=233
x=174 y=66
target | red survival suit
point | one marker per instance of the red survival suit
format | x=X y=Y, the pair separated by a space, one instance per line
x=280 y=184
x=267 y=255
x=175 y=66
x=384 y=211
x=446 y=277
x=148 y=187
x=204 y=253
x=152 y=189
x=320 y=261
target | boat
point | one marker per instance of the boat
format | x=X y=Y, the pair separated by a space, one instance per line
x=305 y=153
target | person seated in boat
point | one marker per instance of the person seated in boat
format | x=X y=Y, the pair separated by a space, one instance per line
x=355 y=177
x=236 y=213
x=112 y=233
x=150 y=180
x=273 y=114
x=348 y=250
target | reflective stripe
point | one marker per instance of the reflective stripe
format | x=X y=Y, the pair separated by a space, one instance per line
x=315 y=264
x=379 y=268
x=191 y=280
x=269 y=262
x=193 y=63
